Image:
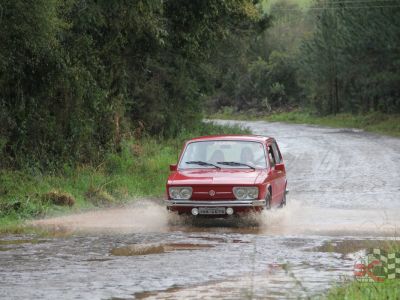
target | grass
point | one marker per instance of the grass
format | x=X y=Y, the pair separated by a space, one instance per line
x=352 y=289
x=390 y=289
x=140 y=170
x=388 y=124
x=300 y=3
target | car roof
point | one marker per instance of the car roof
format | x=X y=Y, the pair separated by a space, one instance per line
x=232 y=137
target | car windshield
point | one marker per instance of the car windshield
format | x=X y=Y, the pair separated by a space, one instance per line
x=223 y=154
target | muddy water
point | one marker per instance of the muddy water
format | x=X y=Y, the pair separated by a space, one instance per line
x=345 y=197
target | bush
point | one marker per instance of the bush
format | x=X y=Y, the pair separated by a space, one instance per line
x=99 y=197
x=59 y=198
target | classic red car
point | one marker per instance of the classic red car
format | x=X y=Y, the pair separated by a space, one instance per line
x=227 y=174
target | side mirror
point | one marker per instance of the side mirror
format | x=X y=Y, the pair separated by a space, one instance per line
x=280 y=167
x=173 y=167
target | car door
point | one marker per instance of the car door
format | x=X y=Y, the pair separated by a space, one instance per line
x=280 y=174
x=277 y=177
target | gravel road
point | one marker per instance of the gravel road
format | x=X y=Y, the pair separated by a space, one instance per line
x=344 y=197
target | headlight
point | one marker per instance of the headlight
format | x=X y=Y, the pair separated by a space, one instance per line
x=245 y=193
x=180 y=193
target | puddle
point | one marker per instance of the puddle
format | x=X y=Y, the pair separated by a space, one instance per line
x=20 y=242
x=234 y=262
x=211 y=239
x=148 y=294
x=133 y=250
x=186 y=246
x=273 y=284
x=240 y=242
x=220 y=240
x=6 y=249
x=98 y=259
x=13 y=244
x=146 y=249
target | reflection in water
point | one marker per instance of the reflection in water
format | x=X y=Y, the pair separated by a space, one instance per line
x=120 y=265
x=140 y=252
x=146 y=249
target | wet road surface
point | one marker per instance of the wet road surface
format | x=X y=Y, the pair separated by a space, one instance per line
x=344 y=197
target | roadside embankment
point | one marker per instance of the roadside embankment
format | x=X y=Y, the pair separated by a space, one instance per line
x=139 y=170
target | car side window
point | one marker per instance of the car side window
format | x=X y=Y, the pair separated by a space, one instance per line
x=271 y=156
x=277 y=154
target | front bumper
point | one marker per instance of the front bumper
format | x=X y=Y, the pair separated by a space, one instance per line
x=206 y=203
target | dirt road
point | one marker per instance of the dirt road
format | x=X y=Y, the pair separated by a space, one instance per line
x=344 y=197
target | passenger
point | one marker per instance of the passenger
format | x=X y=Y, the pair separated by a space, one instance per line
x=217 y=156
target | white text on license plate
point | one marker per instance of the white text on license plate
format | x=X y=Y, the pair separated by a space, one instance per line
x=211 y=210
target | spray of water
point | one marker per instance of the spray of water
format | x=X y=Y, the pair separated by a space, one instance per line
x=142 y=216
x=295 y=218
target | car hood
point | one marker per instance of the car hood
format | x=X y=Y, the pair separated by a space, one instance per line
x=217 y=176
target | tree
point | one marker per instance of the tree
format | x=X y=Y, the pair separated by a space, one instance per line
x=350 y=64
x=76 y=76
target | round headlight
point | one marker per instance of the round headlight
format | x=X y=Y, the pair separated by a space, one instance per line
x=241 y=193
x=186 y=193
x=244 y=193
x=252 y=193
x=174 y=193
x=180 y=193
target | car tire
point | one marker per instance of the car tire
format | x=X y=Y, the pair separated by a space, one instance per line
x=283 y=202
x=268 y=198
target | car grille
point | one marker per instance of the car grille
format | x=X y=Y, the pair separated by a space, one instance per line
x=205 y=193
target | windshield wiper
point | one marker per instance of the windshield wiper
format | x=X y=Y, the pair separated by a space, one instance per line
x=234 y=163
x=201 y=163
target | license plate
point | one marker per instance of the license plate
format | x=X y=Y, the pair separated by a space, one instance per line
x=211 y=210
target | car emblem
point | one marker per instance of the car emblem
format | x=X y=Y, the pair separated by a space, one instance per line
x=211 y=193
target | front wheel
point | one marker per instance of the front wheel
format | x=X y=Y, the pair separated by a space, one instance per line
x=268 y=198
x=283 y=202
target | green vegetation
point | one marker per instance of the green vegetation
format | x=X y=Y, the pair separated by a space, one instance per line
x=390 y=289
x=78 y=77
x=96 y=96
x=139 y=169
x=372 y=122
x=328 y=56
x=341 y=69
x=301 y=3
x=352 y=289
x=83 y=81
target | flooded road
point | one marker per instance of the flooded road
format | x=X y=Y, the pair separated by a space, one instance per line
x=344 y=197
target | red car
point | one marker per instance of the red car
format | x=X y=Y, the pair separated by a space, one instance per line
x=227 y=174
